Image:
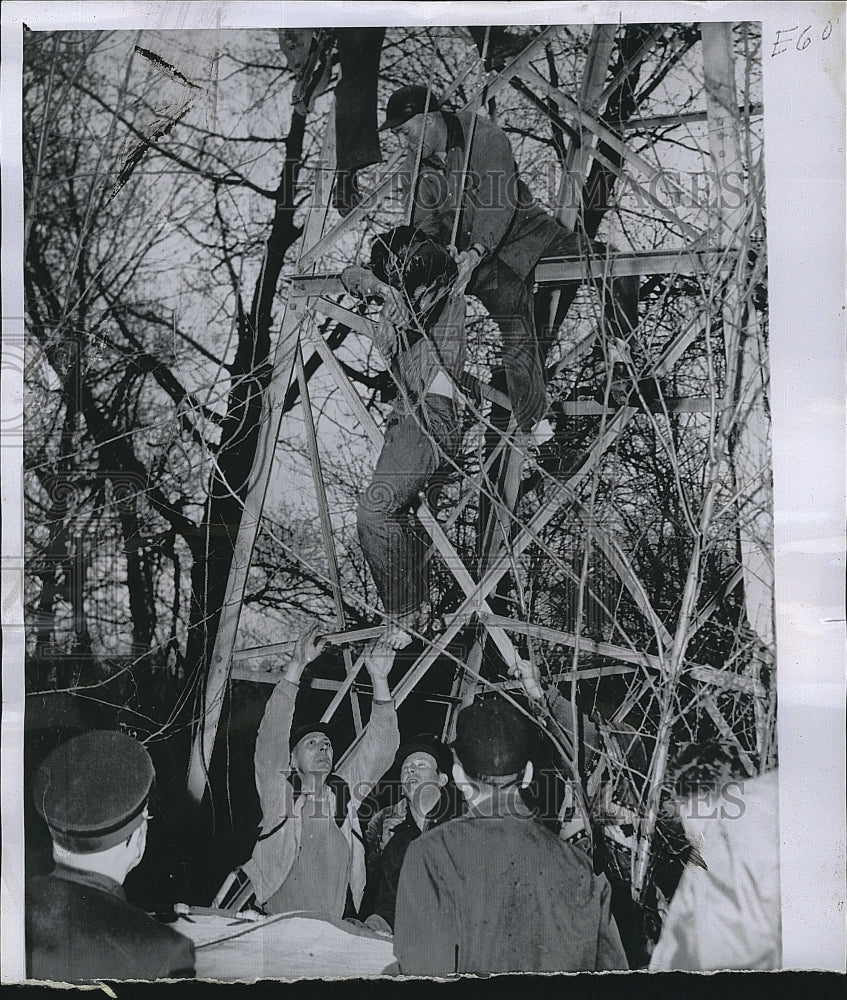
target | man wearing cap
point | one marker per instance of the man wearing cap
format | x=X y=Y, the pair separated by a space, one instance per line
x=502 y=234
x=310 y=848
x=495 y=890
x=92 y=793
x=429 y=799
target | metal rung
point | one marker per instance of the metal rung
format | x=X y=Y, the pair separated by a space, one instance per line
x=590 y=408
x=333 y=638
x=559 y=269
x=620 y=264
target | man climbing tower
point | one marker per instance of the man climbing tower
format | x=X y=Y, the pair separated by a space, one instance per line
x=420 y=335
x=309 y=54
x=501 y=235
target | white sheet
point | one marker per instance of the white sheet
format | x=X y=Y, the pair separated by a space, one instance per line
x=283 y=947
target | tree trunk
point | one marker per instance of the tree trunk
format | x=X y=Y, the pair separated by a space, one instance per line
x=250 y=374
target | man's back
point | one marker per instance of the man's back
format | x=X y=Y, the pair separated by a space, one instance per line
x=500 y=893
x=80 y=927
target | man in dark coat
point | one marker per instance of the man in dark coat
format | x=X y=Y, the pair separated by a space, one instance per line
x=308 y=52
x=467 y=166
x=429 y=799
x=495 y=890
x=92 y=792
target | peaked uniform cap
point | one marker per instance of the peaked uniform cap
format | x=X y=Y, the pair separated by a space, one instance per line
x=92 y=790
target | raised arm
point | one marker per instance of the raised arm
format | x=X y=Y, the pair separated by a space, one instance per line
x=271 y=758
x=375 y=752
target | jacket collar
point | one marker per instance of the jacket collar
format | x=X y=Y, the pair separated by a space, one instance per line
x=504 y=802
x=332 y=781
x=445 y=808
x=455 y=140
x=455 y=132
x=335 y=783
x=93 y=879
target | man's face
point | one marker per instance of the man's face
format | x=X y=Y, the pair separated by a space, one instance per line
x=410 y=134
x=313 y=754
x=420 y=770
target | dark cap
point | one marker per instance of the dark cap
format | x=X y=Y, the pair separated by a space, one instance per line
x=427 y=743
x=492 y=738
x=92 y=790
x=407 y=102
x=310 y=727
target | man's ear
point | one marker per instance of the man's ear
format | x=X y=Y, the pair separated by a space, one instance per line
x=442 y=779
x=138 y=841
x=527 y=774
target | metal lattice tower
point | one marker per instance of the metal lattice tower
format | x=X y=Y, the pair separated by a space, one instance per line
x=697 y=254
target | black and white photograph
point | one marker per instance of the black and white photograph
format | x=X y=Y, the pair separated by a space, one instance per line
x=406 y=446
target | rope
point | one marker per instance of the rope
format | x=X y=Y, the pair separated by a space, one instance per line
x=475 y=105
x=413 y=184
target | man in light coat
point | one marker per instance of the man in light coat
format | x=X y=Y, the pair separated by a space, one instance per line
x=726 y=910
x=310 y=848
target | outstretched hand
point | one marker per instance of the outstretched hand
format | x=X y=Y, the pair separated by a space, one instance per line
x=379 y=660
x=306 y=649
x=358 y=280
x=526 y=672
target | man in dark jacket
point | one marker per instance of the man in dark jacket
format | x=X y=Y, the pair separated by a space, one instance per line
x=429 y=799
x=308 y=52
x=501 y=236
x=92 y=793
x=495 y=890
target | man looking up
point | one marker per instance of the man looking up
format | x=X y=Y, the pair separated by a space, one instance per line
x=429 y=798
x=310 y=847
